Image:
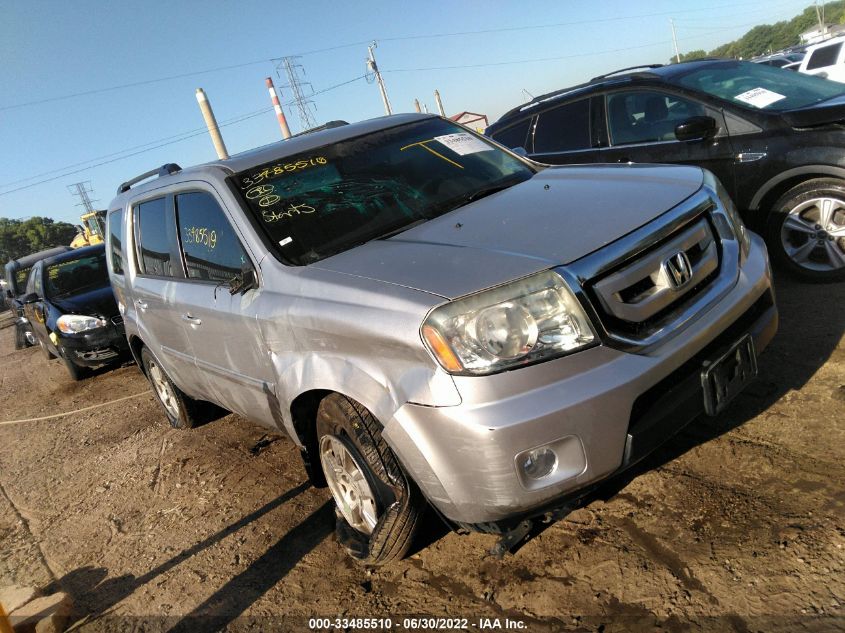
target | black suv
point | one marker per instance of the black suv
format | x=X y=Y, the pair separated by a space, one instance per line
x=775 y=139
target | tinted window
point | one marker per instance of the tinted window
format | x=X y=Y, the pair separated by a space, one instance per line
x=757 y=85
x=824 y=56
x=565 y=128
x=644 y=117
x=21 y=275
x=33 y=283
x=515 y=135
x=75 y=276
x=211 y=247
x=116 y=241
x=333 y=198
x=154 y=246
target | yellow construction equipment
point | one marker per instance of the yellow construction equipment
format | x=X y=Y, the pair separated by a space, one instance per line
x=92 y=230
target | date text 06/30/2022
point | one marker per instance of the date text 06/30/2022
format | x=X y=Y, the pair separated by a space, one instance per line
x=417 y=623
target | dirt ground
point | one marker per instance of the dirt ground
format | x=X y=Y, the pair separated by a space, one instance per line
x=735 y=525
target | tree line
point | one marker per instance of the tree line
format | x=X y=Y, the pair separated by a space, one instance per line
x=22 y=237
x=767 y=38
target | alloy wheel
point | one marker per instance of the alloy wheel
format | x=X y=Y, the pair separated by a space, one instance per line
x=813 y=234
x=163 y=390
x=351 y=490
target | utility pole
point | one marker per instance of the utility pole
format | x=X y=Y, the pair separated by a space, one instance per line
x=280 y=115
x=417 y=105
x=211 y=124
x=819 y=17
x=373 y=67
x=82 y=189
x=675 y=41
x=439 y=103
x=304 y=105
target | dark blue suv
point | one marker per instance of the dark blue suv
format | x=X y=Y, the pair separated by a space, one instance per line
x=774 y=138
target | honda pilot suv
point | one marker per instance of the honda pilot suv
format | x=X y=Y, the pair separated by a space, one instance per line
x=433 y=319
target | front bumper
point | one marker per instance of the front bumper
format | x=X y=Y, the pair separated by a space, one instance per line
x=95 y=348
x=607 y=409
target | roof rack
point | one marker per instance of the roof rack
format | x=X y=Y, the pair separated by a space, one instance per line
x=624 y=70
x=164 y=170
x=324 y=126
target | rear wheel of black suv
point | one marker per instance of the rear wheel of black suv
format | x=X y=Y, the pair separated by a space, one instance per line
x=378 y=508
x=806 y=230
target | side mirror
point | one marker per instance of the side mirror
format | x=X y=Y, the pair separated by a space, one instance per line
x=247 y=280
x=30 y=298
x=519 y=151
x=697 y=128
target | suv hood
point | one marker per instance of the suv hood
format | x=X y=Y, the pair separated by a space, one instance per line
x=556 y=217
x=828 y=111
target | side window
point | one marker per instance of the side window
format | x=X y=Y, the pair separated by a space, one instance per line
x=824 y=56
x=210 y=245
x=565 y=128
x=116 y=241
x=646 y=117
x=153 y=245
x=515 y=135
x=33 y=284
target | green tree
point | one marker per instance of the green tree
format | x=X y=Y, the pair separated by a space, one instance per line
x=22 y=237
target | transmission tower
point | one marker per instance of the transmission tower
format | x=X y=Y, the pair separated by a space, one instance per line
x=304 y=105
x=82 y=189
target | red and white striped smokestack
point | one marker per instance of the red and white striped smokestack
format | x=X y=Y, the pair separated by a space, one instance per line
x=274 y=97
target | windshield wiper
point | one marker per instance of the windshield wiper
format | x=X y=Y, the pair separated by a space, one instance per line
x=487 y=191
x=401 y=229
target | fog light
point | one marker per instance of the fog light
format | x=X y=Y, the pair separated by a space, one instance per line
x=539 y=463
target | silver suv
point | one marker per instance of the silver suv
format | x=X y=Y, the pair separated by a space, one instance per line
x=434 y=319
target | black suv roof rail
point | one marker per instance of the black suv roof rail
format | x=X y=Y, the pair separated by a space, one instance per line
x=164 y=170
x=624 y=70
x=325 y=126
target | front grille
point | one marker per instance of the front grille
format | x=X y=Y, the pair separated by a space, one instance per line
x=657 y=280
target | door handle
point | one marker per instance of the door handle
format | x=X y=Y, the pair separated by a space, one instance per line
x=189 y=319
x=141 y=304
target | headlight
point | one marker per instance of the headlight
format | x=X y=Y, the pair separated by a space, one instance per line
x=75 y=323
x=737 y=224
x=522 y=322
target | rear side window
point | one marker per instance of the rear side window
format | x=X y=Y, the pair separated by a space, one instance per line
x=824 y=56
x=153 y=245
x=116 y=241
x=515 y=135
x=565 y=128
x=21 y=275
x=210 y=245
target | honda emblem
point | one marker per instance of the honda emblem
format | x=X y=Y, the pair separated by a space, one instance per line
x=678 y=269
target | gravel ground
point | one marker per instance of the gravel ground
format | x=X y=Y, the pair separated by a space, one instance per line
x=735 y=525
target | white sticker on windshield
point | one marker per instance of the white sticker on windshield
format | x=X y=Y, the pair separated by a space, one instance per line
x=463 y=143
x=285 y=241
x=759 y=97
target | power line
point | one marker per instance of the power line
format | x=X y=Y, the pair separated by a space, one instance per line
x=364 y=42
x=145 y=147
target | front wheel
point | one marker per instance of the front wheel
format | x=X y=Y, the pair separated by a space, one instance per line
x=182 y=412
x=378 y=508
x=806 y=230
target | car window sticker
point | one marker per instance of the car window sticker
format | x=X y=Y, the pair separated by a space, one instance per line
x=463 y=143
x=285 y=241
x=759 y=97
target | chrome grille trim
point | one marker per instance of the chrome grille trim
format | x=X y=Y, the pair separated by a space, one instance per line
x=584 y=273
x=645 y=287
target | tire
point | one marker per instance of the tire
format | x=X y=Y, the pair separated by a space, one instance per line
x=45 y=350
x=181 y=411
x=20 y=337
x=76 y=372
x=806 y=231
x=378 y=508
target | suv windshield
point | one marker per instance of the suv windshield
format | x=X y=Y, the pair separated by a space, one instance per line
x=758 y=85
x=328 y=200
x=76 y=275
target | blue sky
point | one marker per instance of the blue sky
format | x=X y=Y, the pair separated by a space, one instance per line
x=51 y=50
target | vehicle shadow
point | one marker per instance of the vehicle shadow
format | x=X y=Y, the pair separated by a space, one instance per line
x=812 y=323
x=94 y=594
